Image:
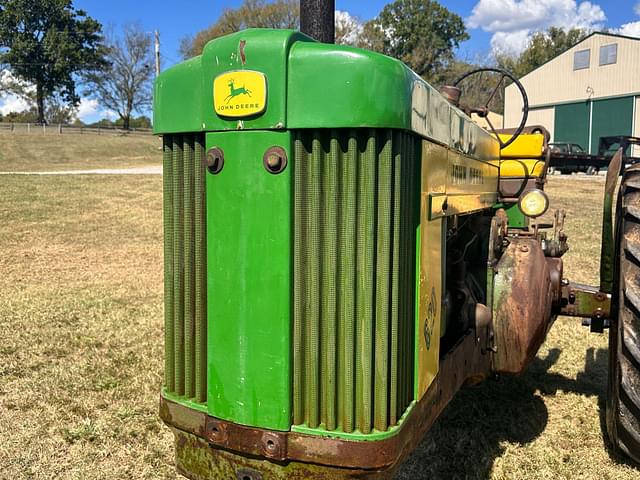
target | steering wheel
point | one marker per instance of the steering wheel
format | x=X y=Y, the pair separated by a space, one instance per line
x=483 y=110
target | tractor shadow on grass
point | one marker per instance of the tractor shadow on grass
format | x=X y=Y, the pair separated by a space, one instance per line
x=471 y=432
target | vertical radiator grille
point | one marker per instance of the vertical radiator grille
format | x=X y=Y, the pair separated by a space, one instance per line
x=185 y=266
x=356 y=211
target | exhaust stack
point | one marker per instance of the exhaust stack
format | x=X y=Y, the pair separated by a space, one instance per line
x=317 y=19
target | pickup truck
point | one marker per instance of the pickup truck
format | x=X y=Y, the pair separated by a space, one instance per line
x=569 y=158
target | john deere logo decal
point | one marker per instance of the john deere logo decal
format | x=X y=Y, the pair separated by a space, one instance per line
x=240 y=93
x=430 y=321
x=234 y=92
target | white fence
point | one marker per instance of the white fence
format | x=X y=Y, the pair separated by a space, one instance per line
x=61 y=129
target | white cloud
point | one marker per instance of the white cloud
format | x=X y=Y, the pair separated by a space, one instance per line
x=87 y=107
x=513 y=21
x=631 y=29
x=13 y=103
x=10 y=102
x=348 y=28
x=90 y=111
x=637 y=8
x=510 y=43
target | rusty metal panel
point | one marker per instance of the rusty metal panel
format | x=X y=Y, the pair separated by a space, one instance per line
x=522 y=309
x=277 y=455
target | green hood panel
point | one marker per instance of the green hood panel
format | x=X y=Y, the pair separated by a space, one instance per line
x=309 y=85
x=183 y=95
x=312 y=85
x=334 y=86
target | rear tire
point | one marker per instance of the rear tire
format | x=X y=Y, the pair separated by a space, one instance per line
x=623 y=395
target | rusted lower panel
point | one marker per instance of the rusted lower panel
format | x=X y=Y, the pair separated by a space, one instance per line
x=218 y=449
x=198 y=460
x=526 y=288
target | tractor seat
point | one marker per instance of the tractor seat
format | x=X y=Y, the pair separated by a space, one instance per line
x=524 y=157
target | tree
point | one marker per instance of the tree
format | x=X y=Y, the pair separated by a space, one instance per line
x=421 y=33
x=252 y=13
x=56 y=109
x=54 y=112
x=348 y=28
x=47 y=43
x=124 y=86
x=371 y=37
x=477 y=89
x=542 y=47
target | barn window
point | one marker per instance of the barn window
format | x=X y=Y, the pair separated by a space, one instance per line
x=608 y=54
x=581 y=59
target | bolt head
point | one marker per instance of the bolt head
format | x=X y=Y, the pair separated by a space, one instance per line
x=275 y=160
x=214 y=160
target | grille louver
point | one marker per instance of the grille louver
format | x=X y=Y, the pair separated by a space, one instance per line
x=354 y=275
x=185 y=266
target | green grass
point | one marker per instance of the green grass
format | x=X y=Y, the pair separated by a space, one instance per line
x=81 y=323
x=81 y=349
x=34 y=152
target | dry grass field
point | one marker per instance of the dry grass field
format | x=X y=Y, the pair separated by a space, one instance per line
x=71 y=151
x=81 y=352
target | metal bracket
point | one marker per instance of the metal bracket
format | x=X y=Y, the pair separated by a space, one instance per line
x=588 y=302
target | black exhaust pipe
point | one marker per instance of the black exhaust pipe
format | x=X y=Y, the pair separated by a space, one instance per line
x=317 y=19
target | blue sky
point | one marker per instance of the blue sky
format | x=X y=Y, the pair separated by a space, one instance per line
x=176 y=20
x=494 y=25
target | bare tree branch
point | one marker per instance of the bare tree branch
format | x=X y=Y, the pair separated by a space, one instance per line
x=125 y=86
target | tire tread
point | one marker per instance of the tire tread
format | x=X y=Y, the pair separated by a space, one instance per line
x=623 y=402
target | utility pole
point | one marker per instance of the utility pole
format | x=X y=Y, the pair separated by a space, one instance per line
x=157 y=37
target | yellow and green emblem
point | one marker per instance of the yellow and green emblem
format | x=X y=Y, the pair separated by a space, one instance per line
x=240 y=93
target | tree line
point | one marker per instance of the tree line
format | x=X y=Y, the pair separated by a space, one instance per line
x=51 y=52
x=422 y=33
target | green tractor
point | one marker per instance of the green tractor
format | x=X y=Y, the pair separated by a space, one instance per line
x=345 y=249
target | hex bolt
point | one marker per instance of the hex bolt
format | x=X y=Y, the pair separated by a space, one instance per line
x=275 y=160
x=214 y=160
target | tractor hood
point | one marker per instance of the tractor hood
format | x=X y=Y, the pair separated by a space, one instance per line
x=262 y=79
